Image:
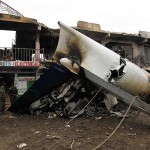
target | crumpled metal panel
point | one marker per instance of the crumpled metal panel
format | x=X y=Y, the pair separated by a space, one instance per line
x=91 y=55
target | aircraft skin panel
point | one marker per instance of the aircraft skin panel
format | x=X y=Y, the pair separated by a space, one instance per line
x=118 y=92
x=134 y=78
x=90 y=54
x=74 y=48
x=51 y=79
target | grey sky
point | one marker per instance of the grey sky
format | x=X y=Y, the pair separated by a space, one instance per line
x=128 y=16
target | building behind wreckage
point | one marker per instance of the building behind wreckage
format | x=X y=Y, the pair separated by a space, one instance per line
x=30 y=55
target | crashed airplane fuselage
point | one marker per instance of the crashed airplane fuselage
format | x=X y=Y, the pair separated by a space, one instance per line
x=93 y=66
x=75 y=50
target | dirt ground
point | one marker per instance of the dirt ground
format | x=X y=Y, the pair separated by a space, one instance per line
x=83 y=133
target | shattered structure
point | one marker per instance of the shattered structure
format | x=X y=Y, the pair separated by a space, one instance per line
x=69 y=66
x=94 y=66
x=75 y=51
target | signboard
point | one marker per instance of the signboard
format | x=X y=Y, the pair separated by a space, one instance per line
x=20 y=63
x=21 y=79
x=23 y=83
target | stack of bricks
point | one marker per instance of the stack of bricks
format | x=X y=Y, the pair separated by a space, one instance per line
x=88 y=26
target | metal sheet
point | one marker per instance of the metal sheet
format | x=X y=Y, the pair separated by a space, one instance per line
x=100 y=60
x=117 y=92
x=91 y=55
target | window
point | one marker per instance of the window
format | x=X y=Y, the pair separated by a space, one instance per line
x=147 y=55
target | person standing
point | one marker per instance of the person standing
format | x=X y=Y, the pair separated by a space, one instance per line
x=13 y=93
x=2 y=97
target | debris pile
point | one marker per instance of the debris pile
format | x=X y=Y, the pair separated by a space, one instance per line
x=73 y=98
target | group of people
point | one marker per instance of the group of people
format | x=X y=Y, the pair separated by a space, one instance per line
x=12 y=92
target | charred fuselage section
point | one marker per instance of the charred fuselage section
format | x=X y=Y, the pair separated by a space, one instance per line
x=92 y=67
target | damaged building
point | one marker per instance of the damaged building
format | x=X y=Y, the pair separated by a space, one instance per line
x=30 y=56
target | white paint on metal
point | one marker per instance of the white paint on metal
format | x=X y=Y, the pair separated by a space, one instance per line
x=100 y=60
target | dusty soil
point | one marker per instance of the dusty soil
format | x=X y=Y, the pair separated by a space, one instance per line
x=43 y=133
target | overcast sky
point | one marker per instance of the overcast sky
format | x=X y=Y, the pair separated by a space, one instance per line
x=128 y=16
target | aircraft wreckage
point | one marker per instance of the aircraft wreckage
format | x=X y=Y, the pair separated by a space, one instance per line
x=80 y=68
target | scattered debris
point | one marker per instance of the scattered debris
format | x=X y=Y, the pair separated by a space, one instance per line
x=37 y=132
x=98 y=118
x=118 y=114
x=21 y=145
x=12 y=117
x=132 y=134
x=48 y=137
x=67 y=126
x=52 y=115
x=69 y=100
x=71 y=146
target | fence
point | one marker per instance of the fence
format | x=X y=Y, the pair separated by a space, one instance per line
x=21 y=54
